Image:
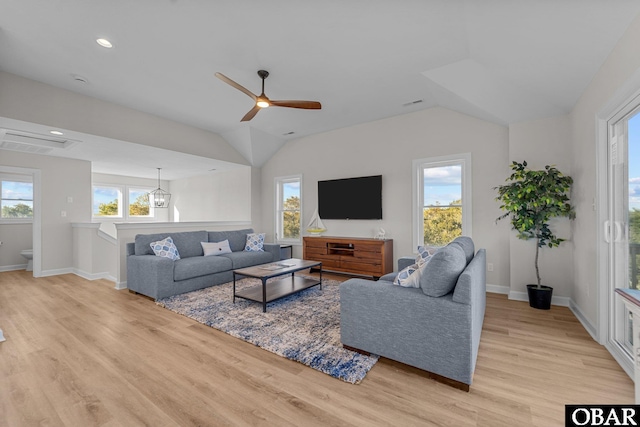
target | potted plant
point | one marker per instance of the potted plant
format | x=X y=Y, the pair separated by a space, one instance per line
x=531 y=199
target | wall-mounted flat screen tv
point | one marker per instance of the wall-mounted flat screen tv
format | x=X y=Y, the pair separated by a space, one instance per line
x=350 y=198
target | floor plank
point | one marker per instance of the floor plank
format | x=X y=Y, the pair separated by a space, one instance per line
x=83 y=353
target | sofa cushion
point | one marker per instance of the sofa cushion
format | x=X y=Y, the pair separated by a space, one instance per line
x=236 y=238
x=255 y=242
x=467 y=246
x=187 y=242
x=441 y=273
x=248 y=259
x=214 y=248
x=165 y=248
x=188 y=268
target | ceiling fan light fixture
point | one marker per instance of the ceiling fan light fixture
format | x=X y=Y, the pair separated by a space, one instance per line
x=104 y=43
x=262 y=103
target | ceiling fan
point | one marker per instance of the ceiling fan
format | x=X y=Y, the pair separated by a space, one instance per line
x=263 y=102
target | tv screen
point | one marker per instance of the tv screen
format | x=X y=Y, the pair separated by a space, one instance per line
x=351 y=198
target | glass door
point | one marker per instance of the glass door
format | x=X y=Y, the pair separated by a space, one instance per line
x=622 y=230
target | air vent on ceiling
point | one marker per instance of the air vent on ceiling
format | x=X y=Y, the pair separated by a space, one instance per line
x=408 y=104
x=16 y=146
x=18 y=140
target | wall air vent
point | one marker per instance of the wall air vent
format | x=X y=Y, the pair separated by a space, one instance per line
x=417 y=101
x=11 y=139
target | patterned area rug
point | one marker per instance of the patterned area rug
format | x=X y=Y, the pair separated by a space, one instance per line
x=304 y=327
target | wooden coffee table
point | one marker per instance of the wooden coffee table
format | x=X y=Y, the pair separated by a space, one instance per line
x=276 y=289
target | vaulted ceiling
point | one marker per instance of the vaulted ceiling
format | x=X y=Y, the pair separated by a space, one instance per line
x=500 y=60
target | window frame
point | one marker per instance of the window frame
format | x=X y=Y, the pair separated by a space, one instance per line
x=418 y=167
x=123 y=203
x=9 y=177
x=279 y=182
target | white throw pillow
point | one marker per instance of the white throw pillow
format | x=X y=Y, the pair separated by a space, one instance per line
x=409 y=277
x=216 y=248
x=255 y=242
x=165 y=248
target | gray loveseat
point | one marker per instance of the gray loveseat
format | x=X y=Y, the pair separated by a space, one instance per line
x=159 y=277
x=439 y=334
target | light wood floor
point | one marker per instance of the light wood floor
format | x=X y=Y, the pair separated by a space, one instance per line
x=80 y=353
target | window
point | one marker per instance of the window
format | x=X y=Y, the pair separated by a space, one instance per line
x=121 y=202
x=16 y=197
x=288 y=208
x=442 y=199
x=139 y=205
x=107 y=201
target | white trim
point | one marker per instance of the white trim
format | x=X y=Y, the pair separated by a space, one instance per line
x=57 y=272
x=94 y=276
x=523 y=296
x=418 y=194
x=13 y=267
x=120 y=285
x=497 y=289
x=590 y=327
x=129 y=225
x=622 y=357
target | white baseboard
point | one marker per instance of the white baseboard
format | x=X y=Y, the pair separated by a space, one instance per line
x=94 y=276
x=121 y=285
x=498 y=289
x=583 y=320
x=523 y=296
x=13 y=267
x=56 y=272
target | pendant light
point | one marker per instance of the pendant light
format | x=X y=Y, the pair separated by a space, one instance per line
x=158 y=197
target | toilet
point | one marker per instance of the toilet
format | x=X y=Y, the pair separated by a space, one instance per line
x=28 y=254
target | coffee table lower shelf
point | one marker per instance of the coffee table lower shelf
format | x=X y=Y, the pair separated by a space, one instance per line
x=277 y=289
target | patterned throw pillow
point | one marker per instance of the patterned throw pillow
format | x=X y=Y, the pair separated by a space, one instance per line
x=409 y=277
x=426 y=252
x=165 y=248
x=255 y=242
x=213 y=248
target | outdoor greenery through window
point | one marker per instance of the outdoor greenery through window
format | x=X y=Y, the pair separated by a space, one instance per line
x=634 y=200
x=443 y=202
x=109 y=201
x=288 y=204
x=16 y=201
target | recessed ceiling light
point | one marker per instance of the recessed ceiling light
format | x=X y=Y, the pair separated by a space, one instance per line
x=104 y=43
x=55 y=132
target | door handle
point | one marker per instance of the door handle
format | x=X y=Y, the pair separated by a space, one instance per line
x=607 y=231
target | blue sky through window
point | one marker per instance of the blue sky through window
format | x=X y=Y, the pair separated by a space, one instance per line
x=634 y=161
x=291 y=189
x=442 y=185
x=103 y=195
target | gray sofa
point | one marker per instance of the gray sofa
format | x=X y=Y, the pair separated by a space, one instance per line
x=159 y=277
x=439 y=334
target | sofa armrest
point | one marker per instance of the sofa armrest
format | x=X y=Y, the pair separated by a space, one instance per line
x=131 y=249
x=405 y=262
x=274 y=249
x=149 y=275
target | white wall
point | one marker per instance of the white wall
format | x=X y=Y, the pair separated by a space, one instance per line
x=622 y=64
x=387 y=147
x=61 y=178
x=218 y=196
x=540 y=143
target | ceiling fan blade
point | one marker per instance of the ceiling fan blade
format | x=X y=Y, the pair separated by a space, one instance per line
x=251 y=114
x=241 y=88
x=307 y=105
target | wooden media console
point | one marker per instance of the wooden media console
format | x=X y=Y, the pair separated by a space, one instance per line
x=369 y=257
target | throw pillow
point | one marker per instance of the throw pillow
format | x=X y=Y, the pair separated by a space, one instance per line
x=255 y=242
x=409 y=277
x=165 y=248
x=424 y=252
x=441 y=273
x=216 y=248
x=467 y=246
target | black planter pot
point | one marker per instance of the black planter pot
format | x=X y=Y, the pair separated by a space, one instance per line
x=540 y=298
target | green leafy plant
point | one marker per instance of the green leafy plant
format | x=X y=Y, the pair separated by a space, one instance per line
x=531 y=199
